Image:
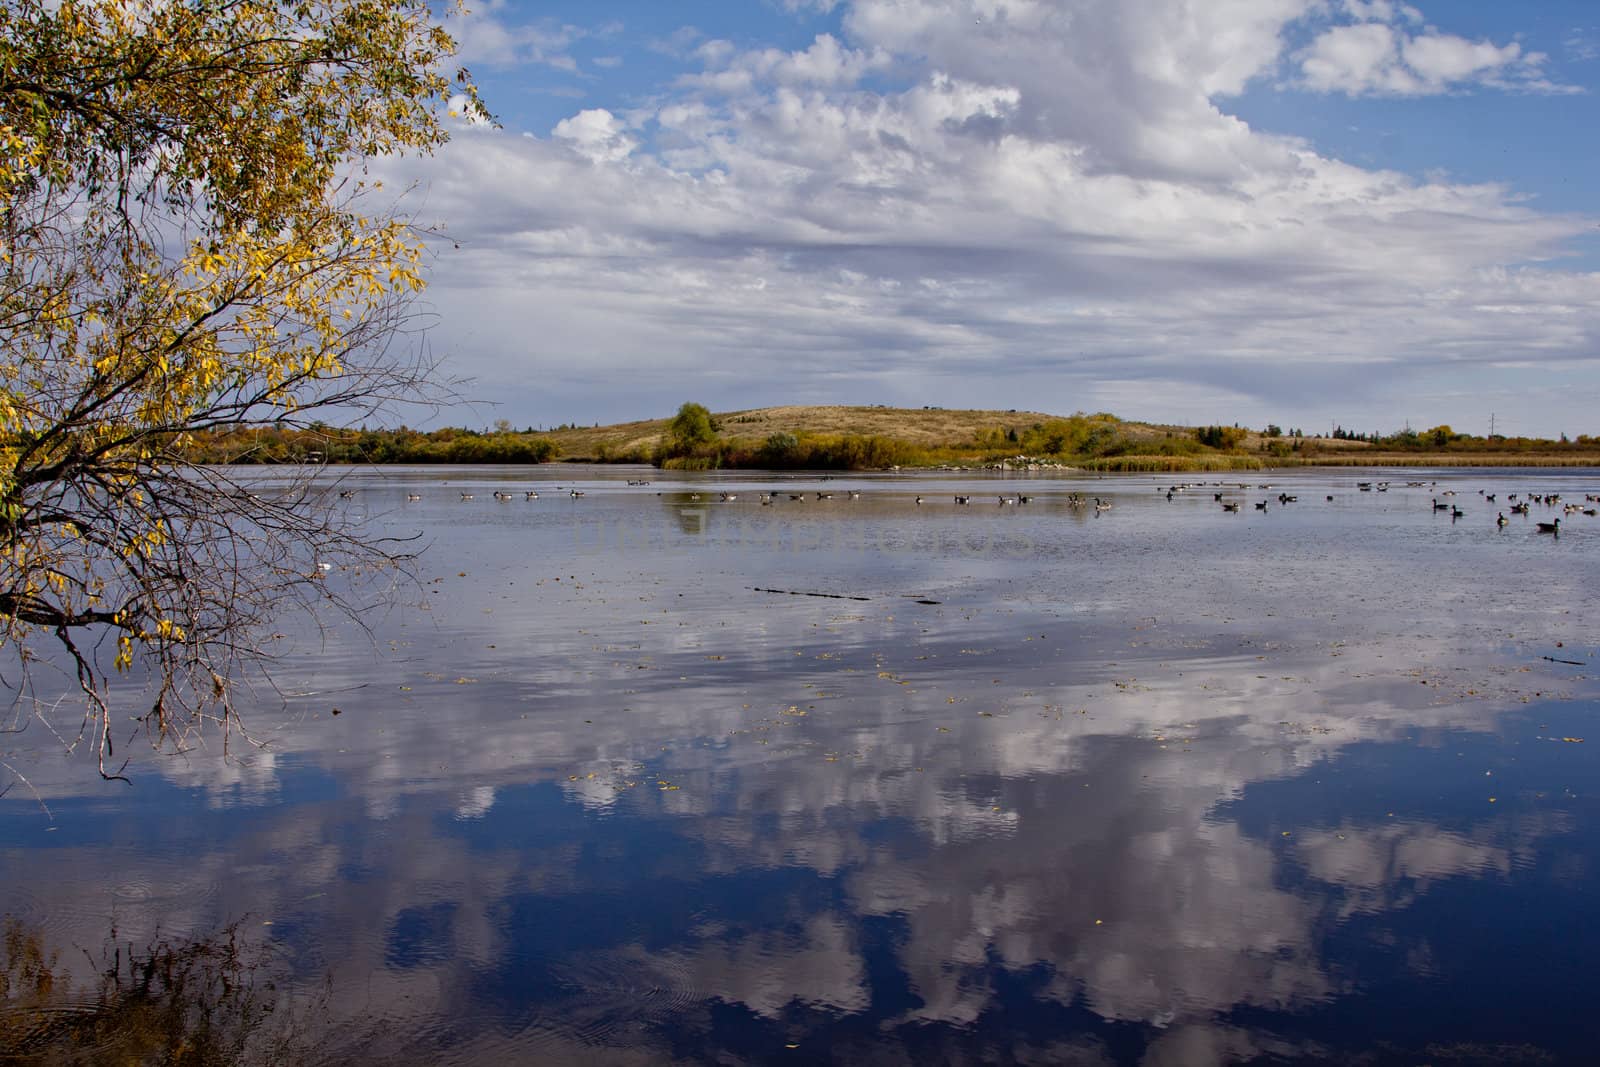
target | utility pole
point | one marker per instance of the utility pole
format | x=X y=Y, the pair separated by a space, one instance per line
x=1491 y=424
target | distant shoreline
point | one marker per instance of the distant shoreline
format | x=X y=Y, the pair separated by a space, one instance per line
x=1447 y=459
x=879 y=438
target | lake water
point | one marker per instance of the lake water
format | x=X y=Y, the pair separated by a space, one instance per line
x=641 y=778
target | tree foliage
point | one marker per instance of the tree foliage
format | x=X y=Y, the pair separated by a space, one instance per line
x=269 y=445
x=1221 y=437
x=691 y=437
x=189 y=242
x=691 y=426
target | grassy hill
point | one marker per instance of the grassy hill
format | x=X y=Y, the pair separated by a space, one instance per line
x=839 y=436
x=925 y=427
x=861 y=437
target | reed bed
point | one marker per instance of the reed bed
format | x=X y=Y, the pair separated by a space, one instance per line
x=1146 y=464
x=1442 y=459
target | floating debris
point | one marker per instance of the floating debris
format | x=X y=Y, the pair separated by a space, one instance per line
x=796 y=592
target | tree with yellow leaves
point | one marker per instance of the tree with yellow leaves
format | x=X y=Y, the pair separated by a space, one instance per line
x=189 y=241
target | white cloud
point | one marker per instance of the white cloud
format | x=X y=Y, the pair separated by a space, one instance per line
x=825 y=63
x=596 y=134
x=1050 y=197
x=679 y=44
x=484 y=38
x=1381 y=54
x=1580 y=45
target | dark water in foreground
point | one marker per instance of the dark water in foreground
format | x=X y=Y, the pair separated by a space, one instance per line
x=1159 y=785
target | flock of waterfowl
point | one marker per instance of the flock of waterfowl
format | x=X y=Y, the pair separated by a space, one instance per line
x=1519 y=503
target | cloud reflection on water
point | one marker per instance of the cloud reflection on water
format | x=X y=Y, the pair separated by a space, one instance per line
x=817 y=810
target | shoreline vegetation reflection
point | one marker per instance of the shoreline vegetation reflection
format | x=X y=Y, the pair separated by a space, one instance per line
x=1031 y=783
x=209 y=1003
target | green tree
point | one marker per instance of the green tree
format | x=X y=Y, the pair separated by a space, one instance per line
x=1221 y=437
x=690 y=428
x=779 y=449
x=189 y=242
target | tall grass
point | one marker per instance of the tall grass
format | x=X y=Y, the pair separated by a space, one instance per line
x=1134 y=463
x=1440 y=459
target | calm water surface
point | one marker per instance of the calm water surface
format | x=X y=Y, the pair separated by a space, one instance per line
x=1030 y=783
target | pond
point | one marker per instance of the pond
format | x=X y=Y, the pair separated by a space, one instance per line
x=648 y=775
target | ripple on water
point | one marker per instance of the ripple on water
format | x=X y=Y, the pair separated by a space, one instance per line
x=138 y=902
x=38 y=913
x=619 y=1002
x=171 y=904
x=611 y=998
x=37 y=1031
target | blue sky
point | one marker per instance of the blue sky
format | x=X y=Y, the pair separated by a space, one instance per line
x=1296 y=211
